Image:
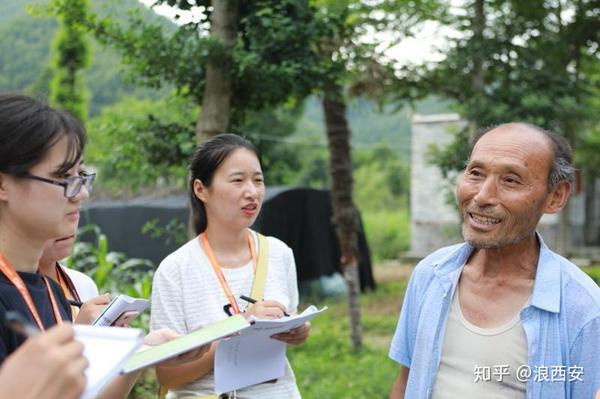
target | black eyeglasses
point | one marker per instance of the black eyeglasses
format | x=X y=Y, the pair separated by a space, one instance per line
x=72 y=185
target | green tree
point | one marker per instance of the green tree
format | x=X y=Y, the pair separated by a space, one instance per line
x=71 y=55
x=347 y=60
x=517 y=61
x=258 y=50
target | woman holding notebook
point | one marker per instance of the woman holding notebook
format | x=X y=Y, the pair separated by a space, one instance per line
x=42 y=185
x=202 y=281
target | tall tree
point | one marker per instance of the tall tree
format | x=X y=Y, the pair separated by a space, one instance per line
x=236 y=57
x=214 y=117
x=70 y=57
x=524 y=61
x=350 y=60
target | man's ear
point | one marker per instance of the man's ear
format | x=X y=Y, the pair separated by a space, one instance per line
x=558 y=197
x=199 y=190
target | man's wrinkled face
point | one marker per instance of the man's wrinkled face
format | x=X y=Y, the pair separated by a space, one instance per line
x=503 y=191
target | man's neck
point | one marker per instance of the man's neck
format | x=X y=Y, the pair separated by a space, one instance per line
x=518 y=259
x=22 y=251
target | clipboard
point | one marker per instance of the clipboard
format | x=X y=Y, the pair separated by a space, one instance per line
x=185 y=343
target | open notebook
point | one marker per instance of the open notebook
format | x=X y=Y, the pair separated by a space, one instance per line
x=185 y=343
x=106 y=349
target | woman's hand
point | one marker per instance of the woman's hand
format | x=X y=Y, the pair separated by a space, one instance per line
x=163 y=335
x=266 y=310
x=125 y=319
x=294 y=337
x=91 y=309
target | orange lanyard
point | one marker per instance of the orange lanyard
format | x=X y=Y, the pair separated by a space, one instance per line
x=217 y=268
x=11 y=274
x=68 y=287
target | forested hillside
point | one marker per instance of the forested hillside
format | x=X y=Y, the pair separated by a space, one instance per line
x=25 y=53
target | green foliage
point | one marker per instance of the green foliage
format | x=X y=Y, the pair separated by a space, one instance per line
x=25 y=58
x=138 y=143
x=173 y=232
x=24 y=49
x=267 y=130
x=381 y=190
x=593 y=272
x=112 y=272
x=531 y=62
x=381 y=179
x=270 y=61
x=71 y=56
x=388 y=232
x=451 y=157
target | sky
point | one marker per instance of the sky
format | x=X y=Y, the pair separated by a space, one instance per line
x=420 y=48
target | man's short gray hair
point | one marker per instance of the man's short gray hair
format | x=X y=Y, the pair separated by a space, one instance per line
x=562 y=168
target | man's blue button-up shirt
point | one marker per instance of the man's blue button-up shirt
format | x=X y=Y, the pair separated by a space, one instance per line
x=561 y=322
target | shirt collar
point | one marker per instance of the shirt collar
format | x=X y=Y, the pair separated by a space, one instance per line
x=546 y=288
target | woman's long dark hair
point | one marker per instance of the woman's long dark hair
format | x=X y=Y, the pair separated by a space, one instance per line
x=29 y=128
x=206 y=160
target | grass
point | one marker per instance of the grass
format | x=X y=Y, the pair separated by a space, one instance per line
x=593 y=272
x=387 y=231
x=326 y=366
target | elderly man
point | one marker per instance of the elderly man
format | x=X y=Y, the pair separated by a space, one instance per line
x=502 y=316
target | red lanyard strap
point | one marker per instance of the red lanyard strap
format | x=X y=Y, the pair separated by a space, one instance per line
x=16 y=280
x=219 y=273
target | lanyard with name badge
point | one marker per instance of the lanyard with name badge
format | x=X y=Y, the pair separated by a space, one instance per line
x=12 y=275
x=217 y=268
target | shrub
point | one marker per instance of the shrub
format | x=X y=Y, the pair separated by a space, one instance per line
x=388 y=232
x=593 y=272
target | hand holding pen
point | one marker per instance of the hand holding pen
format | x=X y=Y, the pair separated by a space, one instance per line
x=47 y=365
x=264 y=309
x=293 y=337
x=91 y=309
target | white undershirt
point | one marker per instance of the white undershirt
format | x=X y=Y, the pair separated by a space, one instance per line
x=469 y=352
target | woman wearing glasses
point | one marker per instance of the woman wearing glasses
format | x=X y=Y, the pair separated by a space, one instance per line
x=42 y=186
x=201 y=281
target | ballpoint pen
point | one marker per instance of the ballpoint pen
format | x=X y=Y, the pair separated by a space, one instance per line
x=20 y=324
x=73 y=302
x=251 y=300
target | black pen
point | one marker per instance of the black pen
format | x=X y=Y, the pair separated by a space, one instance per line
x=251 y=300
x=20 y=324
x=75 y=303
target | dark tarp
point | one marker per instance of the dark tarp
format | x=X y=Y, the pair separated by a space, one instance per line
x=301 y=217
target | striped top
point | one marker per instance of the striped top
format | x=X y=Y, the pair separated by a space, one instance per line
x=186 y=295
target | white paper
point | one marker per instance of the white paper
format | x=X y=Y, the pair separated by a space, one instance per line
x=119 y=305
x=106 y=350
x=253 y=356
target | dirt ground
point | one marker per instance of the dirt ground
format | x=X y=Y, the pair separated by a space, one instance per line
x=392 y=270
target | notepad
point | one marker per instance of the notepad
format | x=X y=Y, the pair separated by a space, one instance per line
x=253 y=356
x=205 y=335
x=119 y=305
x=106 y=350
